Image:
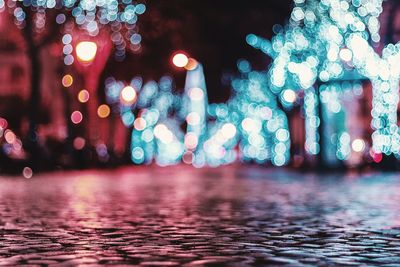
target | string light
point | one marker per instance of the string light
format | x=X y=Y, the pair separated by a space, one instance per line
x=76 y=117
x=330 y=40
x=322 y=44
x=67 y=80
x=91 y=16
x=103 y=111
x=83 y=96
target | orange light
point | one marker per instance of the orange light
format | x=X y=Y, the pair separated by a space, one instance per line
x=128 y=95
x=76 y=117
x=180 y=60
x=140 y=124
x=67 y=80
x=86 y=51
x=192 y=64
x=83 y=96
x=103 y=111
x=193 y=118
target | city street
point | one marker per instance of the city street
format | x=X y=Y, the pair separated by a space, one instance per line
x=180 y=215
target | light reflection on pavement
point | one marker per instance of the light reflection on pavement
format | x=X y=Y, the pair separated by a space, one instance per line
x=180 y=215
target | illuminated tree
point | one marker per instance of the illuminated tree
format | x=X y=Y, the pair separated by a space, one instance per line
x=253 y=120
x=150 y=112
x=44 y=21
x=330 y=40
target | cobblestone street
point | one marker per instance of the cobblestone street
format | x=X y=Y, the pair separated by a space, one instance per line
x=236 y=216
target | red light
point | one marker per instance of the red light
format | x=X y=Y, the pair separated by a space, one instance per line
x=377 y=157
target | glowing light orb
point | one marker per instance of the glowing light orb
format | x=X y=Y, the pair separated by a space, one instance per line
x=266 y=113
x=377 y=157
x=67 y=80
x=140 y=124
x=188 y=157
x=289 y=96
x=103 y=111
x=163 y=133
x=86 y=51
x=3 y=123
x=27 y=172
x=345 y=54
x=193 y=118
x=137 y=155
x=76 y=117
x=128 y=95
x=83 y=96
x=191 y=141
x=180 y=60
x=248 y=124
x=196 y=94
x=10 y=137
x=192 y=64
x=228 y=131
x=79 y=143
x=358 y=145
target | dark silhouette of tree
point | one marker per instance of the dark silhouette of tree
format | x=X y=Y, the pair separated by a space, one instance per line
x=43 y=23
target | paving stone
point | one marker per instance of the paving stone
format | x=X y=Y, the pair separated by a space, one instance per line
x=159 y=263
x=387 y=260
x=182 y=216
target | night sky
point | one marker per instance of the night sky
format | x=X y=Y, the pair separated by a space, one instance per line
x=213 y=32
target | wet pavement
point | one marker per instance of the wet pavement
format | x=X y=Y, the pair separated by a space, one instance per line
x=235 y=216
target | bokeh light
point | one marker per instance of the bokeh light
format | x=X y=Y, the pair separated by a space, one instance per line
x=27 y=172
x=76 y=117
x=3 y=123
x=79 y=143
x=191 y=141
x=191 y=64
x=196 y=94
x=9 y=136
x=163 y=133
x=358 y=145
x=180 y=60
x=140 y=124
x=289 y=96
x=83 y=96
x=86 y=51
x=67 y=80
x=193 y=118
x=103 y=111
x=128 y=95
x=228 y=131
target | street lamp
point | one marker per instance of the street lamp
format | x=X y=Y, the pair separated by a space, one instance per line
x=195 y=104
x=86 y=51
x=91 y=56
x=180 y=60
